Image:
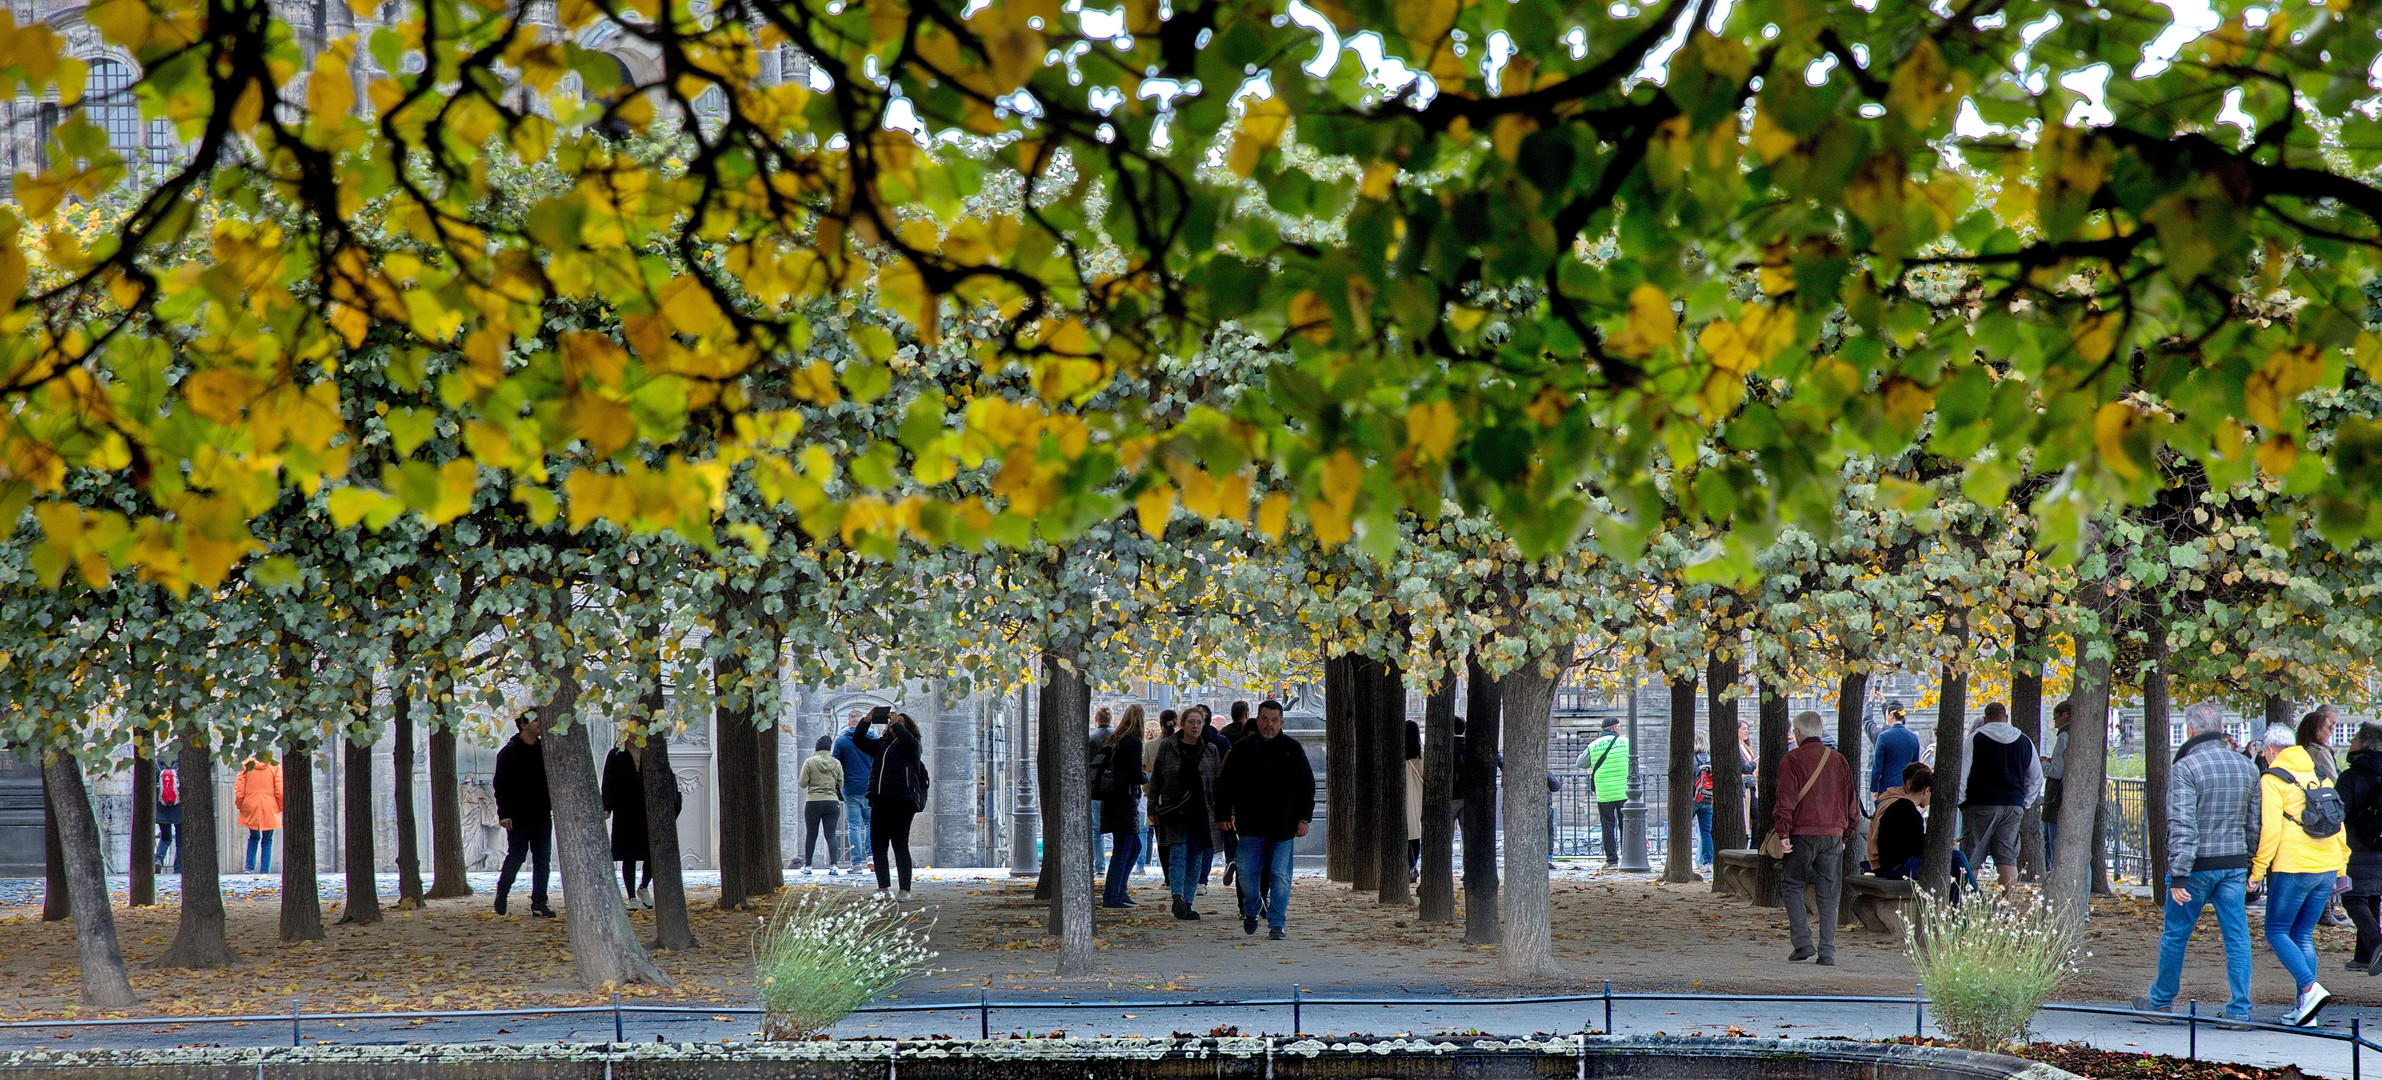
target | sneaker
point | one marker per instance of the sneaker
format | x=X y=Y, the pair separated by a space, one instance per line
x=903 y=896
x=1801 y=955
x=2311 y=1002
x=645 y=897
x=831 y=872
x=541 y=912
x=806 y=871
x=1826 y=961
x=1274 y=934
x=1248 y=925
x=2158 y=1015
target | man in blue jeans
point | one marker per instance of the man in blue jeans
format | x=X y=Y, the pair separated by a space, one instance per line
x=856 y=763
x=2208 y=857
x=1266 y=795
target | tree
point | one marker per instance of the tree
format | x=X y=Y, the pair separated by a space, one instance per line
x=105 y=983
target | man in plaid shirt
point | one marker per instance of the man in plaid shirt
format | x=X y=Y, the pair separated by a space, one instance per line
x=2208 y=857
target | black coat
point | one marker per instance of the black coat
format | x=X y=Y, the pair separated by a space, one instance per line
x=1121 y=811
x=1268 y=788
x=1901 y=833
x=896 y=772
x=520 y=786
x=624 y=799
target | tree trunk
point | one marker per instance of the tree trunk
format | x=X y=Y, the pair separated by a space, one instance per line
x=1679 y=810
x=736 y=743
x=140 y=860
x=1046 y=774
x=1484 y=701
x=2080 y=804
x=301 y=895
x=1339 y=768
x=1364 y=783
x=2278 y=711
x=1066 y=717
x=1951 y=748
x=764 y=847
x=2155 y=706
x=449 y=877
x=363 y=881
x=1390 y=785
x=1435 y=893
x=199 y=941
x=604 y=946
x=671 y=928
x=1852 y=691
x=1776 y=736
x=1728 y=785
x=2026 y=714
x=401 y=772
x=57 y=900
x=1527 y=955
x=106 y=985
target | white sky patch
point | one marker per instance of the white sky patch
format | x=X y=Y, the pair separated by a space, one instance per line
x=1578 y=40
x=1492 y=64
x=1021 y=103
x=1720 y=15
x=2192 y=19
x=1968 y=123
x=1385 y=72
x=819 y=80
x=1102 y=25
x=2232 y=114
x=1657 y=68
x=1328 y=55
x=1816 y=72
x=2093 y=83
x=1105 y=99
x=900 y=115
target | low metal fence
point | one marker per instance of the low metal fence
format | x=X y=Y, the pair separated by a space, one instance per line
x=984 y=1008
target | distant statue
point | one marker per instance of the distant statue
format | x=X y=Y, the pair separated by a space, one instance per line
x=483 y=838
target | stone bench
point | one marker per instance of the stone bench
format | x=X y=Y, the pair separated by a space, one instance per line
x=1882 y=904
x=1738 y=872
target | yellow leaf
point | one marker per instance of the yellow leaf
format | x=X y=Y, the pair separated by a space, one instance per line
x=1770 y=142
x=1431 y=430
x=1332 y=527
x=2276 y=455
x=2278 y=383
x=1379 y=176
x=1506 y=137
x=2111 y=425
x=1650 y=324
x=1311 y=315
x=2096 y=335
x=1261 y=127
x=1919 y=86
x=219 y=394
x=688 y=306
x=1153 y=508
x=1273 y=514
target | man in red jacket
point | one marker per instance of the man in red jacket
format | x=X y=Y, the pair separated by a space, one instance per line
x=1814 y=819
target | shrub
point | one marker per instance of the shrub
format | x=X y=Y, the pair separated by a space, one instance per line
x=1989 y=962
x=819 y=957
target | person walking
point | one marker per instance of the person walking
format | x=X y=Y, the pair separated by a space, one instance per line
x=2003 y=777
x=1238 y=727
x=822 y=783
x=2055 y=775
x=1095 y=752
x=1154 y=734
x=1897 y=749
x=1818 y=807
x=1414 y=802
x=2360 y=786
x=855 y=762
x=169 y=816
x=2209 y=839
x=897 y=783
x=1606 y=761
x=526 y=813
x=1212 y=730
x=624 y=803
x=2300 y=853
x=1266 y=796
x=1701 y=797
x=257 y=794
x=1182 y=795
x=2315 y=733
x=1118 y=786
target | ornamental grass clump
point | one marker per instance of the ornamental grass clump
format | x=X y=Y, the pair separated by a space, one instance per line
x=1989 y=962
x=820 y=957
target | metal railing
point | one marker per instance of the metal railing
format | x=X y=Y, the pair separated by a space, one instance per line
x=984 y=1008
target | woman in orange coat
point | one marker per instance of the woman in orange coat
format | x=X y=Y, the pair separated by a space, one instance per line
x=258 y=795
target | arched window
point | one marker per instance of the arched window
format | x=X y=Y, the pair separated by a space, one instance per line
x=108 y=103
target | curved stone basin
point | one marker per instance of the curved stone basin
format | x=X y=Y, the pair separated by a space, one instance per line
x=1569 y=1057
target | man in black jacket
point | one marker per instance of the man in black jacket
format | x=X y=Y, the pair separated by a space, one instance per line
x=1266 y=796
x=527 y=814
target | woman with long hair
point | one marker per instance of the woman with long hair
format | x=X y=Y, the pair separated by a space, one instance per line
x=1119 y=790
x=897 y=783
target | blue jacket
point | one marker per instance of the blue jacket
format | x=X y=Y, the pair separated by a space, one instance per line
x=856 y=763
x=1897 y=747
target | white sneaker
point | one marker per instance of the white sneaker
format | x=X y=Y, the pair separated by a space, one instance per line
x=831 y=871
x=645 y=897
x=2311 y=1002
x=903 y=896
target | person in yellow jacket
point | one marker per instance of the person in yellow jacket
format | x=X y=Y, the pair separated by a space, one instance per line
x=2298 y=857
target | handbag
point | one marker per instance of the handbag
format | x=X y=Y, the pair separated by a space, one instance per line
x=1774 y=845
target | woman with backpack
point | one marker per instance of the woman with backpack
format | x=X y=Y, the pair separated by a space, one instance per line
x=1703 y=798
x=2361 y=794
x=169 y=815
x=1117 y=782
x=2300 y=853
x=897 y=783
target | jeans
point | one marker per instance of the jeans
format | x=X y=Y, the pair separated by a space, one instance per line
x=822 y=817
x=1182 y=864
x=260 y=851
x=889 y=827
x=1273 y=858
x=2293 y=904
x=538 y=845
x=1207 y=865
x=1608 y=814
x=855 y=825
x=2050 y=838
x=1820 y=859
x=1704 y=831
x=1149 y=838
x=1120 y=865
x=2223 y=890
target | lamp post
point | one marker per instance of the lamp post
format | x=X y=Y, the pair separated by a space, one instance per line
x=1025 y=819
x=1633 y=812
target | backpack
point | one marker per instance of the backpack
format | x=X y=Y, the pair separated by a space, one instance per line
x=1104 y=773
x=169 y=787
x=2324 y=812
x=1703 y=788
